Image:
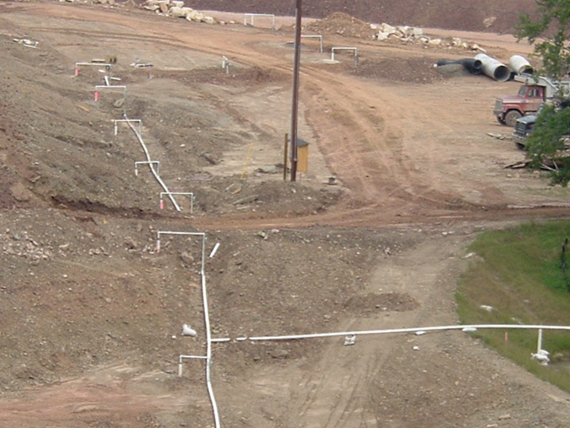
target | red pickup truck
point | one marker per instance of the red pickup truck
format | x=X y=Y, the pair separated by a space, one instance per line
x=509 y=108
x=535 y=91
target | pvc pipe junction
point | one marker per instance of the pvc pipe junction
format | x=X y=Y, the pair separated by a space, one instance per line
x=206 y=318
x=138 y=121
x=192 y=198
x=333 y=50
x=109 y=78
x=314 y=36
x=154 y=172
x=251 y=15
x=157 y=163
x=226 y=64
x=188 y=357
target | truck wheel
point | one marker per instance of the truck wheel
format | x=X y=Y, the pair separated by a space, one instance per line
x=501 y=120
x=511 y=118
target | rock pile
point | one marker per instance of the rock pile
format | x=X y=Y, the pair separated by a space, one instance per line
x=416 y=35
x=346 y=25
x=176 y=9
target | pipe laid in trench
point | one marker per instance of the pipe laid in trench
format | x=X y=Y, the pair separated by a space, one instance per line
x=472 y=65
x=493 y=68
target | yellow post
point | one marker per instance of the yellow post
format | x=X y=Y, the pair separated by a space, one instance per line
x=302 y=156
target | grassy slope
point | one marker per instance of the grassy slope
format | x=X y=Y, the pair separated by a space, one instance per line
x=519 y=273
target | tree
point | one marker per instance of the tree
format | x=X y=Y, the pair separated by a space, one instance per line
x=549 y=33
x=547 y=145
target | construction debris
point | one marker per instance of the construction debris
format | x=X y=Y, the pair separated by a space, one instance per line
x=346 y=25
x=176 y=9
x=27 y=43
x=416 y=35
x=110 y=59
x=139 y=64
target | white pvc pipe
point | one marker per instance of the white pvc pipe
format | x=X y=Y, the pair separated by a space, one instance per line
x=209 y=352
x=407 y=330
x=181 y=193
x=95 y=64
x=146 y=163
x=314 y=36
x=345 y=49
x=111 y=87
x=127 y=120
x=214 y=250
x=154 y=172
x=182 y=357
x=206 y=319
x=226 y=64
x=245 y=15
x=539 y=345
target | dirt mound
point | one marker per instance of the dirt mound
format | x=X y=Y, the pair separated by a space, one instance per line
x=342 y=24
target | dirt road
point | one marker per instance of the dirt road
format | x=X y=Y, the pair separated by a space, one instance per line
x=417 y=178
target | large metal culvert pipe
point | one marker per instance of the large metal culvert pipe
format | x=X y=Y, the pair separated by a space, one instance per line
x=493 y=68
x=520 y=65
x=472 y=65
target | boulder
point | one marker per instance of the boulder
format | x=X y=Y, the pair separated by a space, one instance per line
x=163 y=5
x=179 y=12
x=382 y=36
x=195 y=16
x=388 y=29
x=417 y=33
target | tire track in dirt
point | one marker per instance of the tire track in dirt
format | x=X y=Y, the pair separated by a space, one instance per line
x=337 y=391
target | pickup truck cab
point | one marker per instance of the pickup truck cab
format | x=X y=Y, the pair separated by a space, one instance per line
x=534 y=91
x=509 y=108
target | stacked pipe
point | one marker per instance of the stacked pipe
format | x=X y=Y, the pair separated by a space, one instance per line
x=484 y=64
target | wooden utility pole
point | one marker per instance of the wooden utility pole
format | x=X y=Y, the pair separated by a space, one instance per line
x=295 y=108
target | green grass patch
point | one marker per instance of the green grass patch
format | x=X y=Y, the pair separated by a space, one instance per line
x=519 y=273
